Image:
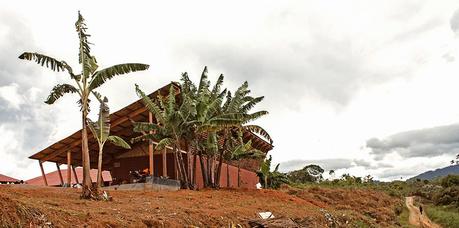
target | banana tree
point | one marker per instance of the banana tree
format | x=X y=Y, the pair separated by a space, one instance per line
x=173 y=125
x=238 y=107
x=86 y=82
x=101 y=131
x=241 y=152
x=218 y=113
x=272 y=179
x=209 y=120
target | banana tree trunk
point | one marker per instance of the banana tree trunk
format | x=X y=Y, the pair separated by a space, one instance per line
x=212 y=171
x=220 y=161
x=219 y=170
x=99 y=167
x=209 y=172
x=177 y=164
x=193 y=180
x=184 y=169
x=181 y=167
x=203 y=170
x=86 y=193
x=266 y=181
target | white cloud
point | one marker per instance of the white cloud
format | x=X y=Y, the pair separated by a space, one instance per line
x=10 y=94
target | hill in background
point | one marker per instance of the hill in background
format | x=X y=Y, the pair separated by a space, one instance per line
x=432 y=174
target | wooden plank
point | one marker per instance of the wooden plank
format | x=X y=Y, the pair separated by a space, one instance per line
x=75 y=175
x=164 y=162
x=60 y=174
x=76 y=142
x=130 y=116
x=150 y=146
x=69 y=169
x=43 y=173
x=176 y=164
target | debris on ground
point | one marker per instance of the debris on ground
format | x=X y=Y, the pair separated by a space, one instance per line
x=266 y=215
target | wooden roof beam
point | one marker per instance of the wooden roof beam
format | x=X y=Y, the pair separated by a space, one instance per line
x=78 y=142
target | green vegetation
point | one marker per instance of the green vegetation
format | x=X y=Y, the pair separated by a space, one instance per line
x=450 y=181
x=204 y=121
x=310 y=173
x=101 y=131
x=86 y=83
x=447 y=216
x=270 y=179
x=238 y=151
x=403 y=217
x=441 y=192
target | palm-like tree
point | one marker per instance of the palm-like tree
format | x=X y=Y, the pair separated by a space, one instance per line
x=272 y=179
x=173 y=124
x=208 y=120
x=265 y=170
x=239 y=107
x=218 y=113
x=101 y=131
x=89 y=79
x=238 y=151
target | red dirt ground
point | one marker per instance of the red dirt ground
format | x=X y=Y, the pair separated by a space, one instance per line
x=316 y=207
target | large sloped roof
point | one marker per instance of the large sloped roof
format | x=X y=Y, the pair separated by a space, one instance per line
x=4 y=178
x=121 y=125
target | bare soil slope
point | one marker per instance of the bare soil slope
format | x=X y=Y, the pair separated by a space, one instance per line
x=316 y=207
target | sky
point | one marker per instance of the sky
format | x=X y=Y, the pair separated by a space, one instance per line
x=360 y=87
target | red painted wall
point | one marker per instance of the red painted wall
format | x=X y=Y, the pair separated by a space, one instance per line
x=121 y=174
x=249 y=179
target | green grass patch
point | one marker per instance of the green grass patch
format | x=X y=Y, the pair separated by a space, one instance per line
x=446 y=216
x=403 y=218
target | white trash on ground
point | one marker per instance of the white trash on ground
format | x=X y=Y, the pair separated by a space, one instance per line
x=266 y=215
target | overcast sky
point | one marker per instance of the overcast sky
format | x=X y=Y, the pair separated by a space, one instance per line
x=362 y=87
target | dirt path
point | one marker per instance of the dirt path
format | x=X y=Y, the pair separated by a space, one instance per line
x=415 y=216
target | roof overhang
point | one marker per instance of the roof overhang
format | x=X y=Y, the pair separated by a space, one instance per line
x=121 y=125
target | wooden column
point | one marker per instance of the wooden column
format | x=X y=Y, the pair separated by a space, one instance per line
x=176 y=168
x=60 y=174
x=164 y=162
x=43 y=173
x=150 y=146
x=75 y=175
x=189 y=165
x=69 y=168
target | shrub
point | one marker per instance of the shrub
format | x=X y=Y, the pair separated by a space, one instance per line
x=447 y=196
x=450 y=181
x=310 y=173
x=445 y=216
